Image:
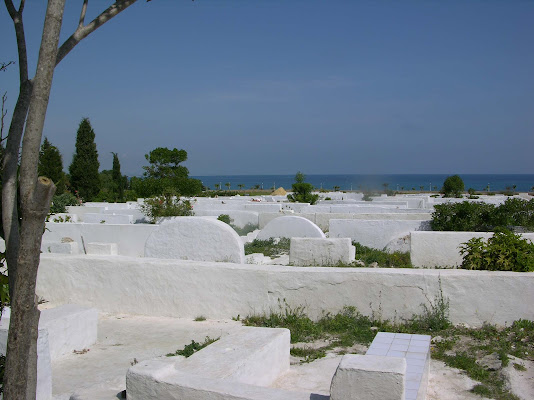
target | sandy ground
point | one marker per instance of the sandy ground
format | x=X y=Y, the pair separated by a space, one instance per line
x=99 y=374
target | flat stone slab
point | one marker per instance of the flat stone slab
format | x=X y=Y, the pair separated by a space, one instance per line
x=321 y=252
x=195 y=238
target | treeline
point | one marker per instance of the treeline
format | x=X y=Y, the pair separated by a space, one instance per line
x=84 y=182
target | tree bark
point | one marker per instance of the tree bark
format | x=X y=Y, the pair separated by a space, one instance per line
x=20 y=379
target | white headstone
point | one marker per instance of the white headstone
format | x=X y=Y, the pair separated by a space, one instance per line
x=195 y=238
x=289 y=227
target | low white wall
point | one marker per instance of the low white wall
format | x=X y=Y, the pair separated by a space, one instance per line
x=442 y=249
x=129 y=238
x=374 y=233
x=239 y=218
x=222 y=290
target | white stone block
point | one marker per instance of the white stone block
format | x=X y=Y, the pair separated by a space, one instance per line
x=195 y=238
x=59 y=247
x=92 y=218
x=321 y=252
x=105 y=249
x=289 y=227
x=70 y=327
x=369 y=378
x=44 y=363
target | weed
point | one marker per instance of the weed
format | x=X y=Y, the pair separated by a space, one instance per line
x=192 y=348
x=270 y=248
x=384 y=259
x=520 y=367
x=200 y=318
x=308 y=353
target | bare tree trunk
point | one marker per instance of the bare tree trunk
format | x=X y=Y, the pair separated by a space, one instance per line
x=21 y=364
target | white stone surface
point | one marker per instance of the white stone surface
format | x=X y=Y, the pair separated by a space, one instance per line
x=59 y=247
x=374 y=233
x=239 y=218
x=289 y=227
x=80 y=211
x=369 y=378
x=70 y=327
x=44 y=363
x=236 y=364
x=224 y=290
x=105 y=249
x=320 y=252
x=195 y=238
x=101 y=218
x=129 y=238
x=442 y=249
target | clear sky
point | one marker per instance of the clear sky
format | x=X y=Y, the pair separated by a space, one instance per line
x=276 y=86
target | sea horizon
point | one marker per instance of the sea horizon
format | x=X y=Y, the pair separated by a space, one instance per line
x=373 y=182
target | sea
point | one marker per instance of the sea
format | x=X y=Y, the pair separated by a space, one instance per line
x=400 y=182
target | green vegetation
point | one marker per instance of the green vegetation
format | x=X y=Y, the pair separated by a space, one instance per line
x=166 y=205
x=192 y=348
x=240 y=231
x=165 y=173
x=270 y=248
x=453 y=186
x=59 y=203
x=384 y=259
x=224 y=218
x=51 y=165
x=458 y=346
x=302 y=191
x=483 y=217
x=84 y=177
x=504 y=251
x=200 y=318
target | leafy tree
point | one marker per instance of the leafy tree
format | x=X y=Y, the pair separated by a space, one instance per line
x=240 y=186
x=302 y=191
x=84 y=176
x=453 y=186
x=117 y=177
x=164 y=173
x=51 y=165
x=227 y=184
x=26 y=124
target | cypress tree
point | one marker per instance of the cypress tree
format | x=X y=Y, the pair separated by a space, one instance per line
x=84 y=176
x=51 y=165
x=117 y=177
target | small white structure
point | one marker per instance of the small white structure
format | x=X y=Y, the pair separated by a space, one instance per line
x=61 y=331
x=195 y=238
x=321 y=252
x=66 y=247
x=369 y=378
x=289 y=227
x=104 y=249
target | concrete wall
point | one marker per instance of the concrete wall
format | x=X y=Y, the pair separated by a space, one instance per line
x=377 y=233
x=130 y=238
x=442 y=249
x=222 y=290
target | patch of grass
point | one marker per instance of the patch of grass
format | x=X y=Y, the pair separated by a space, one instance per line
x=384 y=259
x=520 y=367
x=459 y=347
x=200 y=318
x=192 y=348
x=270 y=248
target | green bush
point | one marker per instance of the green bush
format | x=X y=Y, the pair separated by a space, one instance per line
x=166 y=205
x=224 y=218
x=453 y=186
x=483 y=217
x=302 y=191
x=384 y=259
x=504 y=251
x=60 y=203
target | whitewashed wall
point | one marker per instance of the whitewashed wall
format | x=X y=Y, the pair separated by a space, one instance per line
x=222 y=290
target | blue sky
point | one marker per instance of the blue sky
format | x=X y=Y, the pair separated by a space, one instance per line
x=272 y=87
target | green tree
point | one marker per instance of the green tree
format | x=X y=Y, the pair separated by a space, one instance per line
x=84 y=176
x=228 y=185
x=302 y=191
x=117 y=177
x=453 y=186
x=240 y=186
x=51 y=165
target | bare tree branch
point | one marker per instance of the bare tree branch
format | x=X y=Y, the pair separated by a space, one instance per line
x=82 y=14
x=3 y=113
x=83 y=31
x=21 y=6
x=4 y=65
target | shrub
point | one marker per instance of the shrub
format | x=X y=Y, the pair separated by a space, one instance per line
x=453 y=186
x=302 y=191
x=464 y=216
x=166 y=205
x=505 y=251
x=60 y=203
x=384 y=259
x=483 y=217
x=224 y=218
